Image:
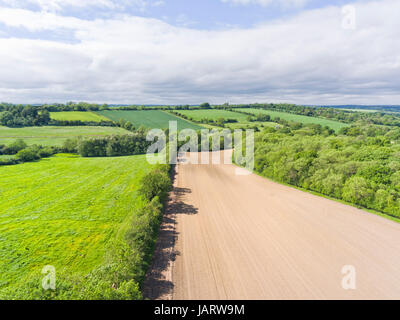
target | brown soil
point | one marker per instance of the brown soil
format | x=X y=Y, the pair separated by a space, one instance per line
x=227 y=236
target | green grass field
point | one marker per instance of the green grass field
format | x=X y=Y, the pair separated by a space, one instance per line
x=213 y=114
x=63 y=212
x=53 y=136
x=77 y=115
x=149 y=119
x=335 y=125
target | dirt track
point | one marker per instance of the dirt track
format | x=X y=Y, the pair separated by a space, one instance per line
x=243 y=237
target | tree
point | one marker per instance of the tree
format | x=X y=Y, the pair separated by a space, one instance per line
x=357 y=190
x=27 y=155
x=205 y=105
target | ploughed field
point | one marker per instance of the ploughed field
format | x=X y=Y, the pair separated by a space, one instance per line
x=245 y=237
x=53 y=136
x=149 y=118
x=63 y=211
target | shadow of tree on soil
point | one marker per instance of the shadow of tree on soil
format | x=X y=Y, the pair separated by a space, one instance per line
x=158 y=284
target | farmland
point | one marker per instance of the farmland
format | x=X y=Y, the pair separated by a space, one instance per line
x=77 y=116
x=335 y=125
x=251 y=238
x=96 y=219
x=148 y=119
x=53 y=136
x=213 y=114
x=63 y=212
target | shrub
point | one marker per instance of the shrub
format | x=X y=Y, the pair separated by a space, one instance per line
x=27 y=155
x=45 y=152
x=70 y=146
x=92 y=147
x=15 y=147
x=155 y=184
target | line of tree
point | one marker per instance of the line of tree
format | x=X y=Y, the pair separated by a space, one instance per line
x=84 y=106
x=79 y=123
x=108 y=146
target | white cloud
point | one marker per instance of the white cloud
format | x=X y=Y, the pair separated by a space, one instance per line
x=265 y=3
x=60 y=5
x=305 y=59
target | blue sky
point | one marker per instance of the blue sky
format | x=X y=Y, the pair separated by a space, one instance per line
x=189 y=51
x=204 y=14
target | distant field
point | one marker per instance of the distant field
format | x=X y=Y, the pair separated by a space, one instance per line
x=53 y=136
x=77 y=115
x=149 y=119
x=297 y=118
x=213 y=114
x=63 y=211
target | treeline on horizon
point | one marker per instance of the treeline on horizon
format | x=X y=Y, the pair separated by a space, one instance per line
x=27 y=115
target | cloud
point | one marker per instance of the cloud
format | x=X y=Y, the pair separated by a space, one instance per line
x=308 y=58
x=61 y=5
x=265 y=3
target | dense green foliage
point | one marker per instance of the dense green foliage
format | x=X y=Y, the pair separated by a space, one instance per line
x=24 y=116
x=111 y=146
x=13 y=148
x=361 y=169
x=86 y=217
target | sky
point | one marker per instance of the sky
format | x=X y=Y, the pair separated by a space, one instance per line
x=189 y=51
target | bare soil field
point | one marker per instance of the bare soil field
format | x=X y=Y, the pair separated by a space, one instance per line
x=227 y=236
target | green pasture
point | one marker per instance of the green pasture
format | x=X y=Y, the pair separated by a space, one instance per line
x=77 y=116
x=53 y=136
x=63 y=211
x=149 y=119
x=336 y=125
